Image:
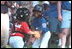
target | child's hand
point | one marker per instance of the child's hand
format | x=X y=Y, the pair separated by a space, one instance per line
x=36 y=34
x=31 y=32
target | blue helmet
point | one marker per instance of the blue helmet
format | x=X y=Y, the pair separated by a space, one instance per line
x=45 y=6
x=38 y=8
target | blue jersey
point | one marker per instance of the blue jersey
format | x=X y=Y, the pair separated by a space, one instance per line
x=66 y=5
x=52 y=11
x=40 y=23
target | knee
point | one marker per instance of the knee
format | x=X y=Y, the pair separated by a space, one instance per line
x=63 y=34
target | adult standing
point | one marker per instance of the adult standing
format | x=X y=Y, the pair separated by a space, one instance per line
x=4 y=23
x=65 y=18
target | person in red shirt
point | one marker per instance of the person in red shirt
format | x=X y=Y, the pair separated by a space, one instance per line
x=21 y=28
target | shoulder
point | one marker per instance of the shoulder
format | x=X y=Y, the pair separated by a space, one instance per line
x=35 y=19
x=24 y=23
x=43 y=19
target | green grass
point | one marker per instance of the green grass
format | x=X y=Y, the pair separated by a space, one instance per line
x=7 y=46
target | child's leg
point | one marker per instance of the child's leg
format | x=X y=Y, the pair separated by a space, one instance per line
x=45 y=40
x=20 y=43
x=16 y=42
x=36 y=44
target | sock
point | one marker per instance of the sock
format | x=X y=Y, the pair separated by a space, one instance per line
x=59 y=44
x=62 y=46
x=69 y=46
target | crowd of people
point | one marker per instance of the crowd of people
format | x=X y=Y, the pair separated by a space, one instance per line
x=25 y=23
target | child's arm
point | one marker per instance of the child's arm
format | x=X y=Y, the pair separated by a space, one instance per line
x=31 y=32
x=25 y=28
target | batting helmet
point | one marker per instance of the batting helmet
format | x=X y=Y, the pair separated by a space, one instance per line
x=22 y=13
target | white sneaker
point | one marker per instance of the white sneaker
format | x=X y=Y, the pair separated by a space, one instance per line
x=59 y=44
x=62 y=47
x=70 y=46
x=25 y=47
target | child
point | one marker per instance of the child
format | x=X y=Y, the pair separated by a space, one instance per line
x=39 y=23
x=21 y=28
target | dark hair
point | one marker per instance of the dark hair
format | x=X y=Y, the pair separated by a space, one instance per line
x=45 y=6
x=53 y=2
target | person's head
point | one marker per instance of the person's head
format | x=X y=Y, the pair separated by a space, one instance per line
x=3 y=2
x=37 y=11
x=45 y=6
x=18 y=4
x=22 y=14
x=53 y=2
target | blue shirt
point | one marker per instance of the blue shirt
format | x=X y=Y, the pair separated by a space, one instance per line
x=46 y=14
x=52 y=11
x=66 y=5
x=40 y=23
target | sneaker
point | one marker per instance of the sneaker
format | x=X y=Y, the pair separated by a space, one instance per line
x=62 y=47
x=59 y=44
x=25 y=47
x=69 y=46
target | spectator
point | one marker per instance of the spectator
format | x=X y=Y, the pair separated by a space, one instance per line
x=66 y=22
x=4 y=23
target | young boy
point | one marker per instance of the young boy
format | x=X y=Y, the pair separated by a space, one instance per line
x=21 y=28
x=39 y=23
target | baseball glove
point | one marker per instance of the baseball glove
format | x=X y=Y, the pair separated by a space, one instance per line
x=36 y=34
